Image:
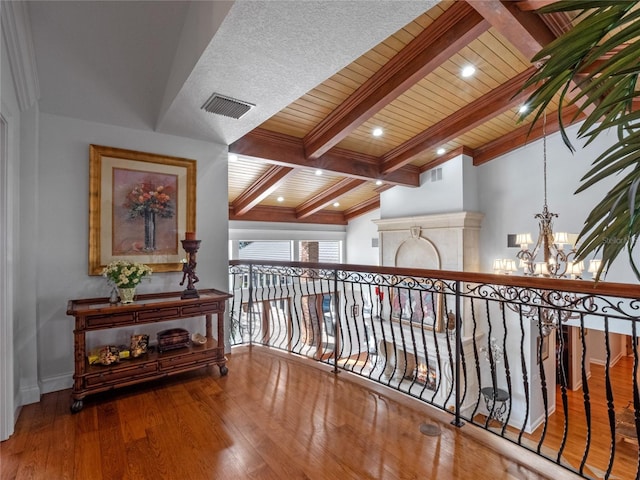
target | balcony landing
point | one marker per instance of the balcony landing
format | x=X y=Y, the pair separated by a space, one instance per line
x=271 y=417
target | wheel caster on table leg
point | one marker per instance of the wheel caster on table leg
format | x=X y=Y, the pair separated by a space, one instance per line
x=77 y=406
x=223 y=370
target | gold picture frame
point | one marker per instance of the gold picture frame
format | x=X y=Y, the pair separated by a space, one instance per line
x=140 y=206
x=423 y=307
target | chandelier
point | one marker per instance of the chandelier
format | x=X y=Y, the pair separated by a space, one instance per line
x=554 y=253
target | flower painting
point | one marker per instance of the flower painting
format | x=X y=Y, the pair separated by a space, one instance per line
x=140 y=206
x=145 y=216
x=151 y=197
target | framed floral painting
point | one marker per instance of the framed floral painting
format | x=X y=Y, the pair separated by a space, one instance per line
x=140 y=206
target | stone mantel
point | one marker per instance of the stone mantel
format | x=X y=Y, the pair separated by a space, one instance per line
x=447 y=241
x=467 y=220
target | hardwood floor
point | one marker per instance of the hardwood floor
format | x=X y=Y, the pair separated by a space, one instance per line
x=270 y=418
x=596 y=462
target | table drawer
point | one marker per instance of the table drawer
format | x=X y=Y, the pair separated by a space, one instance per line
x=160 y=313
x=202 y=308
x=187 y=358
x=114 y=374
x=94 y=321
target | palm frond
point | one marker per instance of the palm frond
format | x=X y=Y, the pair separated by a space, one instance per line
x=595 y=66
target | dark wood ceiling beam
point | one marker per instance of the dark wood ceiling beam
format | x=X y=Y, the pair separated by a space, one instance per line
x=262 y=213
x=360 y=209
x=383 y=188
x=523 y=135
x=528 y=5
x=558 y=22
x=327 y=197
x=260 y=189
x=524 y=29
x=288 y=151
x=468 y=117
x=450 y=32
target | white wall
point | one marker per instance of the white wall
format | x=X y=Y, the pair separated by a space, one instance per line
x=597 y=348
x=455 y=192
x=26 y=304
x=360 y=232
x=62 y=194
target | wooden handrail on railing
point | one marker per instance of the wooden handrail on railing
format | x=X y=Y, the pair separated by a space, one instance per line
x=602 y=288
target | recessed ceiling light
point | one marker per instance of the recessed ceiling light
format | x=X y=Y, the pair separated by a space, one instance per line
x=441 y=151
x=280 y=199
x=523 y=108
x=378 y=182
x=468 y=71
x=318 y=172
x=233 y=157
x=336 y=204
x=376 y=132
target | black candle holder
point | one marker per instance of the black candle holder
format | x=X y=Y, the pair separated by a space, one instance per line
x=189 y=269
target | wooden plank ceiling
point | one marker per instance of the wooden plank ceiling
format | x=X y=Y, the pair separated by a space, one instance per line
x=317 y=160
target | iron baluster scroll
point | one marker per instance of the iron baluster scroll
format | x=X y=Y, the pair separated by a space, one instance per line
x=549 y=308
x=191 y=246
x=390 y=326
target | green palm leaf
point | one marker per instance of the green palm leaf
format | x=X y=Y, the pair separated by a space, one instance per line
x=595 y=66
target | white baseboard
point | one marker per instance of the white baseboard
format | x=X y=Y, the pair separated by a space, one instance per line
x=603 y=362
x=534 y=424
x=29 y=395
x=16 y=411
x=54 y=384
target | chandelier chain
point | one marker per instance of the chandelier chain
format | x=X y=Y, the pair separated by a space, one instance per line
x=544 y=155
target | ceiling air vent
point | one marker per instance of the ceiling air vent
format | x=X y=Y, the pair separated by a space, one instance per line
x=229 y=107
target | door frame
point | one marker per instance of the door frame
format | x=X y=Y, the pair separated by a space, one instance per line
x=7 y=390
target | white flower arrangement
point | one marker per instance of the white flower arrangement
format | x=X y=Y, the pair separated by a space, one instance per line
x=126 y=274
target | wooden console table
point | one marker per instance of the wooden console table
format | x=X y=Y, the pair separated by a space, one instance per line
x=98 y=314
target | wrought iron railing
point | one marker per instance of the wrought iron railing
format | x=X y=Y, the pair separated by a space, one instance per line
x=510 y=354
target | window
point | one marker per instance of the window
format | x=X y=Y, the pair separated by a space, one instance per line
x=323 y=251
x=265 y=250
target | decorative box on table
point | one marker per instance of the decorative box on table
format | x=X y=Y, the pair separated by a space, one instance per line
x=173 y=338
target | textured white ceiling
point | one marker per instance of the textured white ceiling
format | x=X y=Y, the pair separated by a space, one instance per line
x=152 y=64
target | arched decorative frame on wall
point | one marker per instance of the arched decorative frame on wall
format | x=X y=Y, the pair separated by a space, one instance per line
x=428 y=249
x=418 y=303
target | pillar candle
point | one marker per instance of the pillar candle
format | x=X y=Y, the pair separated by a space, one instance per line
x=190 y=235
